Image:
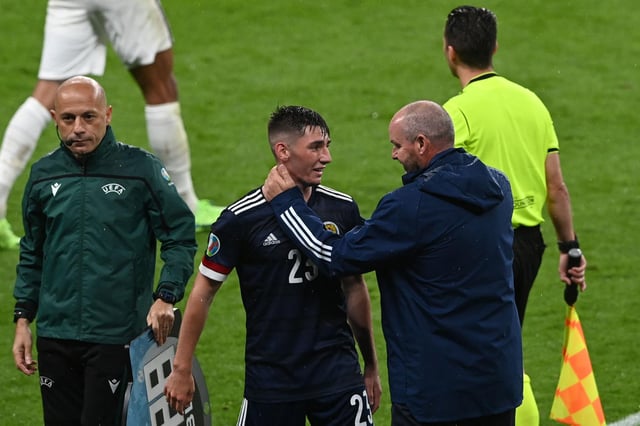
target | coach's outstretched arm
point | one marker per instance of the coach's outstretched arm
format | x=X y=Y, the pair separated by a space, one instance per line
x=360 y=250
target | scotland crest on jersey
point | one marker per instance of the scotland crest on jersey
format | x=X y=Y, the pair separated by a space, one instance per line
x=331 y=227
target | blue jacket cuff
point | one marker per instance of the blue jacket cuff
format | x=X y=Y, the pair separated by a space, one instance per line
x=286 y=199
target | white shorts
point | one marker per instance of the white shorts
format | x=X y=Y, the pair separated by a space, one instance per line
x=76 y=33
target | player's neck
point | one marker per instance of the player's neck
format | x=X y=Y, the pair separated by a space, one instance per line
x=306 y=192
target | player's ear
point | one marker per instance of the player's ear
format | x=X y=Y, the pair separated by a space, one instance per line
x=282 y=151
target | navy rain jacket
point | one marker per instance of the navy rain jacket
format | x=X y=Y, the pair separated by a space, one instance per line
x=441 y=246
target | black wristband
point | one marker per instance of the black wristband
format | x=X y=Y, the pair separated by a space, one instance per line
x=565 y=246
x=24 y=309
x=21 y=313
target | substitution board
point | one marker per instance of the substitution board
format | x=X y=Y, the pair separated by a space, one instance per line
x=145 y=403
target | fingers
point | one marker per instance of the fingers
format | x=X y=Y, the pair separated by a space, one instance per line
x=27 y=368
x=30 y=368
x=374 y=390
x=179 y=391
x=377 y=393
x=575 y=275
x=24 y=362
x=161 y=331
x=160 y=334
x=580 y=274
x=21 y=349
x=180 y=405
x=160 y=319
x=274 y=183
x=287 y=181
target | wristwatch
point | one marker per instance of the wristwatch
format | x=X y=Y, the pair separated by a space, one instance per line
x=166 y=296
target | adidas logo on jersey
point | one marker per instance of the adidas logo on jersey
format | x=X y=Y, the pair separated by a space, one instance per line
x=270 y=240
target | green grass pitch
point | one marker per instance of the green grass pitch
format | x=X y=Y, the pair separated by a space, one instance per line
x=357 y=62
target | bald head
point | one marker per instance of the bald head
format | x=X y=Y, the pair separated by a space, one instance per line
x=81 y=114
x=419 y=131
x=90 y=88
x=426 y=118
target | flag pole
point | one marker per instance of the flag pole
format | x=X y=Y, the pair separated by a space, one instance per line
x=576 y=401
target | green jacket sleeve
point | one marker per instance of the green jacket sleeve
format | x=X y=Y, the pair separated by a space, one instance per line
x=174 y=226
x=29 y=269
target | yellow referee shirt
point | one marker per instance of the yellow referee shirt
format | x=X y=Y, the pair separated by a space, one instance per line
x=508 y=127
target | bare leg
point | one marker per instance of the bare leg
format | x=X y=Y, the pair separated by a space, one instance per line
x=165 y=127
x=20 y=139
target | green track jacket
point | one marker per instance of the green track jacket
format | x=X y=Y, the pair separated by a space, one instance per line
x=87 y=260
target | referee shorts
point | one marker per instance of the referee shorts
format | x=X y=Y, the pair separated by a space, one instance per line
x=76 y=34
x=82 y=383
x=528 y=248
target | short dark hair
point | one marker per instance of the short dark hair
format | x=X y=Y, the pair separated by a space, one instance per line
x=294 y=119
x=472 y=32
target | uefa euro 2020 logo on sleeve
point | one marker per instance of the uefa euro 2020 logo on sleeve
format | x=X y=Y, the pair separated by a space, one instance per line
x=213 y=246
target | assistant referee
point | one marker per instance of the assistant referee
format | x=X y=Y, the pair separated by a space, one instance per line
x=508 y=127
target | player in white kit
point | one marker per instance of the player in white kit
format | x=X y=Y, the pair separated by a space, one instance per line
x=75 y=43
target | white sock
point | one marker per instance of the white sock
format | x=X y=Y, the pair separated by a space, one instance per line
x=20 y=139
x=168 y=139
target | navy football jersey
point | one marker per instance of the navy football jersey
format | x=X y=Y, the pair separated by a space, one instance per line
x=299 y=345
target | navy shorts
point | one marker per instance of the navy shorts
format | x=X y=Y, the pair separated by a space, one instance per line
x=347 y=408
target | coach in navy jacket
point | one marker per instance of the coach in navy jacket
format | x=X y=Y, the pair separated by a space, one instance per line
x=441 y=246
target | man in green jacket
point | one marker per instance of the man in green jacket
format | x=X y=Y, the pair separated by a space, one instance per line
x=93 y=211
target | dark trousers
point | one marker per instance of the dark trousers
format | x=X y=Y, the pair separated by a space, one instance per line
x=528 y=248
x=400 y=416
x=82 y=384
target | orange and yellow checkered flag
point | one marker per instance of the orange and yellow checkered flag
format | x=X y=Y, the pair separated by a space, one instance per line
x=576 y=401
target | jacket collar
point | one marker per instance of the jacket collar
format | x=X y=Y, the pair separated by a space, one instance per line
x=107 y=142
x=411 y=176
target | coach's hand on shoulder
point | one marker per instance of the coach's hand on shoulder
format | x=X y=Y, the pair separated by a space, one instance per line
x=278 y=181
